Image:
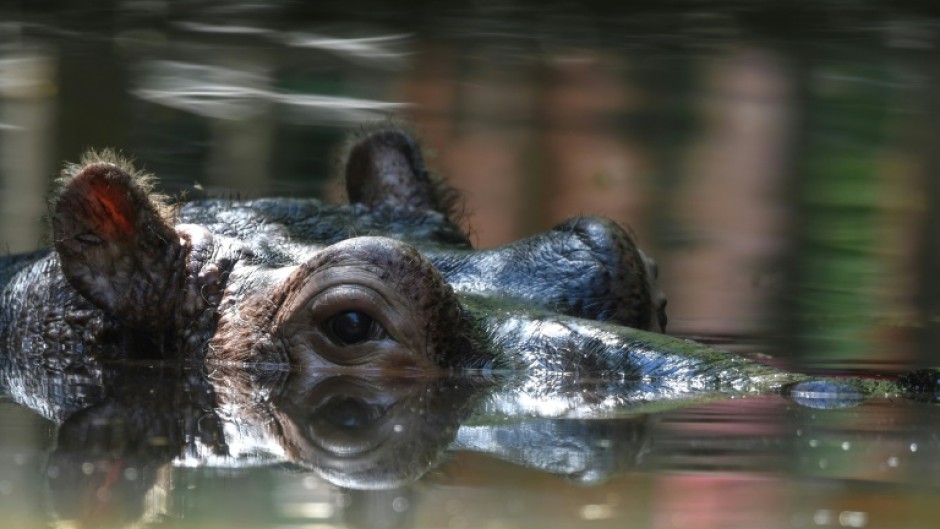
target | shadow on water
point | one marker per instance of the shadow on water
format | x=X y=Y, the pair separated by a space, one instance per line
x=779 y=162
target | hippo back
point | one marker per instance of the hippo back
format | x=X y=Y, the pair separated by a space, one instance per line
x=279 y=230
x=10 y=265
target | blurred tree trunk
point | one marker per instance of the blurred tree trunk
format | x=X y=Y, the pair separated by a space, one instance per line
x=928 y=296
x=837 y=279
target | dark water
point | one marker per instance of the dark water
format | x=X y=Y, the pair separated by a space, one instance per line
x=781 y=165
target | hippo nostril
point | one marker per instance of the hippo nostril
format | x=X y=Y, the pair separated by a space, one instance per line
x=351 y=327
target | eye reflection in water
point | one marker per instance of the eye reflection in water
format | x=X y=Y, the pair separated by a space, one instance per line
x=369 y=433
x=346 y=414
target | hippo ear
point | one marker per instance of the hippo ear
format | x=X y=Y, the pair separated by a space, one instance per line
x=386 y=167
x=114 y=244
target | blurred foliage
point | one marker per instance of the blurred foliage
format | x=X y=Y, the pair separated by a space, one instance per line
x=839 y=254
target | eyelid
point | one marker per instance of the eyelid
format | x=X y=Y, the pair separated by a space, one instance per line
x=334 y=301
x=313 y=317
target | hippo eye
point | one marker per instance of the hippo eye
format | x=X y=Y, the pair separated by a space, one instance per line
x=352 y=327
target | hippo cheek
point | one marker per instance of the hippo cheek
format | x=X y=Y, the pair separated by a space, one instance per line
x=366 y=303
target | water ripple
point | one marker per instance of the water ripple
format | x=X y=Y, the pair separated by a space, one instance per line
x=228 y=93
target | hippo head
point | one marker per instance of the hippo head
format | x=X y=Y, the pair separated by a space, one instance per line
x=365 y=301
x=262 y=293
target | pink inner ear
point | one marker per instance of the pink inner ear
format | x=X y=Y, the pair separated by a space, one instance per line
x=114 y=203
x=111 y=208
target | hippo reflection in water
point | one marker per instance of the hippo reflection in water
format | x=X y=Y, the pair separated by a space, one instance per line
x=387 y=284
x=125 y=429
x=362 y=433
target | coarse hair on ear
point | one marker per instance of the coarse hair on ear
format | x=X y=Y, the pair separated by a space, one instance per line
x=143 y=180
x=383 y=162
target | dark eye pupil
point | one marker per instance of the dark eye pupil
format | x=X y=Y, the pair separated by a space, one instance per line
x=351 y=327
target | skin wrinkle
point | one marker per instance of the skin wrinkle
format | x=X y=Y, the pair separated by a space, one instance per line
x=54 y=312
x=247 y=308
x=209 y=265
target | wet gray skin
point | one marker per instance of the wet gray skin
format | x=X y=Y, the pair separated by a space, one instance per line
x=386 y=284
x=281 y=319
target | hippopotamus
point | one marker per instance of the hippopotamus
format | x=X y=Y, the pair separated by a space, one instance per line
x=387 y=283
x=292 y=331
